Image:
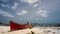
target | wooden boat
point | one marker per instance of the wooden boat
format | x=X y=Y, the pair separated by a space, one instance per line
x=16 y=26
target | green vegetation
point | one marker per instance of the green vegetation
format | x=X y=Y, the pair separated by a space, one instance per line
x=45 y=25
x=1 y=23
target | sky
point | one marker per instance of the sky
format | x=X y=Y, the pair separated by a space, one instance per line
x=33 y=11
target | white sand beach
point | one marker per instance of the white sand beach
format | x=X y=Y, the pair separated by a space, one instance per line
x=36 y=30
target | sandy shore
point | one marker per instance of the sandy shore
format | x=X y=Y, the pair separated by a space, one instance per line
x=36 y=30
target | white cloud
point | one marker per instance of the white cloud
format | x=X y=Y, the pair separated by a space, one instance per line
x=5 y=5
x=23 y=12
x=15 y=6
x=30 y=1
x=39 y=12
x=36 y=18
x=39 y=8
x=5 y=13
x=35 y=5
x=4 y=0
x=42 y=13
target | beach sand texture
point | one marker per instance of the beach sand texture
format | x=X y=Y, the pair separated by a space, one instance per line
x=36 y=30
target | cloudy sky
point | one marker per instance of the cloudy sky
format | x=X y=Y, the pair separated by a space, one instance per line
x=34 y=11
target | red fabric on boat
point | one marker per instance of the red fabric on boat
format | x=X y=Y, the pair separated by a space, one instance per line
x=15 y=26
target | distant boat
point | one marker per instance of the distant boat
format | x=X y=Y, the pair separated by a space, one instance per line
x=16 y=26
